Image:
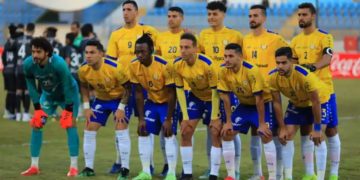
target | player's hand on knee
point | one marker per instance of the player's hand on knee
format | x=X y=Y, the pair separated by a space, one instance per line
x=316 y=136
x=142 y=128
x=39 y=119
x=66 y=119
x=88 y=114
x=227 y=129
x=167 y=127
x=283 y=135
x=120 y=116
x=185 y=127
x=264 y=130
x=215 y=127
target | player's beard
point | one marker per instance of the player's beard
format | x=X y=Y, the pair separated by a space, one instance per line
x=303 y=24
x=254 y=25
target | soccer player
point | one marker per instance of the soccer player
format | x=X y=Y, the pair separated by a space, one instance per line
x=58 y=89
x=121 y=47
x=255 y=110
x=259 y=47
x=313 y=49
x=75 y=28
x=23 y=51
x=9 y=62
x=112 y=91
x=72 y=56
x=199 y=72
x=168 y=46
x=154 y=74
x=307 y=108
x=51 y=37
x=212 y=43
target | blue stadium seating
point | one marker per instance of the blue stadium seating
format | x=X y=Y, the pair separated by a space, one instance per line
x=97 y=12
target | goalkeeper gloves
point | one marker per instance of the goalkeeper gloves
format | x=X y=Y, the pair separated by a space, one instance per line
x=66 y=117
x=39 y=118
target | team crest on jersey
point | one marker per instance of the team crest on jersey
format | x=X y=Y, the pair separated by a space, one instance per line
x=107 y=79
x=312 y=46
x=245 y=82
x=156 y=77
x=200 y=77
x=225 y=42
x=264 y=46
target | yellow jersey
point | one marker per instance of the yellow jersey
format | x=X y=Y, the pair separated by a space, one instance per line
x=121 y=44
x=245 y=83
x=154 y=78
x=212 y=43
x=168 y=45
x=201 y=76
x=308 y=48
x=260 y=50
x=106 y=81
x=298 y=86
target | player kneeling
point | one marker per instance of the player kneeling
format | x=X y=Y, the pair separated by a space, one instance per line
x=307 y=109
x=59 y=88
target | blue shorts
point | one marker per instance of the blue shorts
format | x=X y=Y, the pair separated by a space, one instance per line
x=304 y=115
x=198 y=109
x=246 y=116
x=102 y=110
x=234 y=103
x=132 y=100
x=333 y=115
x=49 y=102
x=155 y=115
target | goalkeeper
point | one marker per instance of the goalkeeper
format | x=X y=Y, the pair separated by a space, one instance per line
x=59 y=88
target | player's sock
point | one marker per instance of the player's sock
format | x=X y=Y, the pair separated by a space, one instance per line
x=229 y=157
x=255 y=149
x=279 y=163
x=118 y=157
x=320 y=155
x=307 y=150
x=208 y=146
x=270 y=155
x=162 y=145
x=18 y=103
x=152 y=137
x=73 y=141
x=124 y=145
x=144 y=151
x=36 y=142
x=26 y=102
x=171 y=153
x=215 y=160
x=288 y=154
x=8 y=101
x=334 y=151
x=35 y=162
x=74 y=162
x=237 y=142
x=187 y=157
x=89 y=148
x=12 y=103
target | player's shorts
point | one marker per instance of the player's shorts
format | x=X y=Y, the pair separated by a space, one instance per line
x=155 y=116
x=198 y=109
x=234 y=103
x=246 y=116
x=132 y=100
x=333 y=115
x=102 y=109
x=21 y=82
x=10 y=82
x=49 y=102
x=304 y=115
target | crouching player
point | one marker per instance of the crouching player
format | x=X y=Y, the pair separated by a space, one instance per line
x=255 y=109
x=112 y=90
x=59 y=88
x=307 y=108
x=153 y=74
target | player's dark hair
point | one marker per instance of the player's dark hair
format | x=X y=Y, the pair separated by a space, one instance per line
x=131 y=2
x=235 y=47
x=30 y=27
x=42 y=43
x=177 y=9
x=12 y=30
x=189 y=36
x=95 y=43
x=259 y=6
x=214 y=5
x=71 y=37
x=284 y=51
x=87 y=29
x=308 y=5
x=51 y=32
x=145 y=38
x=20 y=26
x=76 y=23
